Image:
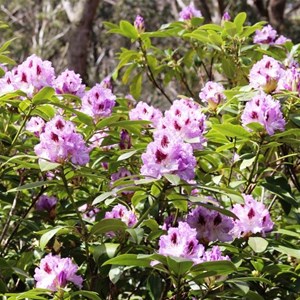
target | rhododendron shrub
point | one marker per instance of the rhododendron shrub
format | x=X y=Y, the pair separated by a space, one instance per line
x=106 y=195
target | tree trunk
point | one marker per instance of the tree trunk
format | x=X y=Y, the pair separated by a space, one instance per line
x=81 y=17
x=276 y=13
x=204 y=10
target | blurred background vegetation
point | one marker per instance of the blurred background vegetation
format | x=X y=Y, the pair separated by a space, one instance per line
x=71 y=33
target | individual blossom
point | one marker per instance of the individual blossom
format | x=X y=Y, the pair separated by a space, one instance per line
x=46 y=203
x=145 y=112
x=214 y=254
x=189 y=12
x=6 y=83
x=170 y=221
x=68 y=82
x=265 y=110
x=97 y=140
x=60 y=142
x=185 y=120
x=89 y=212
x=253 y=217
x=125 y=140
x=121 y=212
x=168 y=154
x=213 y=94
x=55 y=273
x=98 y=102
x=290 y=80
x=36 y=125
x=139 y=24
x=267 y=35
x=210 y=225
x=181 y=242
x=265 y=74
x=281 y=40
x=226 y=16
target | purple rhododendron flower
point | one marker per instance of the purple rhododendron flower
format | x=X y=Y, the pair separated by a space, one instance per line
x=46 y=203
x=181 y=241
x=125 y=140
x=281 y=40
x=290 y=80
x=68 y=82
x=122 y=173
x=36 y=125
x=267 y=35
x=6 y=83
x=121 y=212
x=54 y=273
x=184 y=120
x=168 y=154
x=210 y=225
x=226 y=16
x=189 y=12
x=60 y=142
x=89 y=212
x=254 y=217
x=265 y=74
x=212 y=93
x=98 y=102
x=107 y=83
x=139 y=24
x=214 y=254
x=265 y=110
x=143 y=111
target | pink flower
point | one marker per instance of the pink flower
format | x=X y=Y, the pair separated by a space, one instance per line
x=68 y=82
x=267 y=35
x=189 y=12
x=60 y=142
x=143 y=111
x=139 y=24
x=36 y=125
x=54 y=273
x=265 y=110
x=212 y=93
x=121 y=212
x=253 y=216
x=265 y=74
x=98 y=102
x=46 y=203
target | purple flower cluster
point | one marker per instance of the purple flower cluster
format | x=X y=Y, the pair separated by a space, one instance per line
x=54 y=273
x=59 y=142
x=121 y=212
x=177 y=134
x=265 y=74
x=189 y=12
x=268 y=35
x=254 y=217
x=290 y=80
x=212 y=93
x=98 y=102
x=265 y=110
x=210 y=225
x=168 y=154
x=30 y=76
x=182 y=242
x=36 y=125
x=146 y=112
x=68 y=82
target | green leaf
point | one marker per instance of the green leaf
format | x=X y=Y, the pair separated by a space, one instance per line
x=258 y=244
x=126 y=155
x=173 y=179
x=103 y=197
x=86 y=294
x=247 y=163
x=32 y=185
x=44 y=94
x=109 y=249
x=46 y=237
x=231 y=130
x=288 y=251
x=6 y=60
x=179 y=266
x=47 y=165
x=239 y=21
x=220 y=267
x=128 y=30
x=108 y=225
x=137 y=234
x=128 y=260
x=136 y=86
